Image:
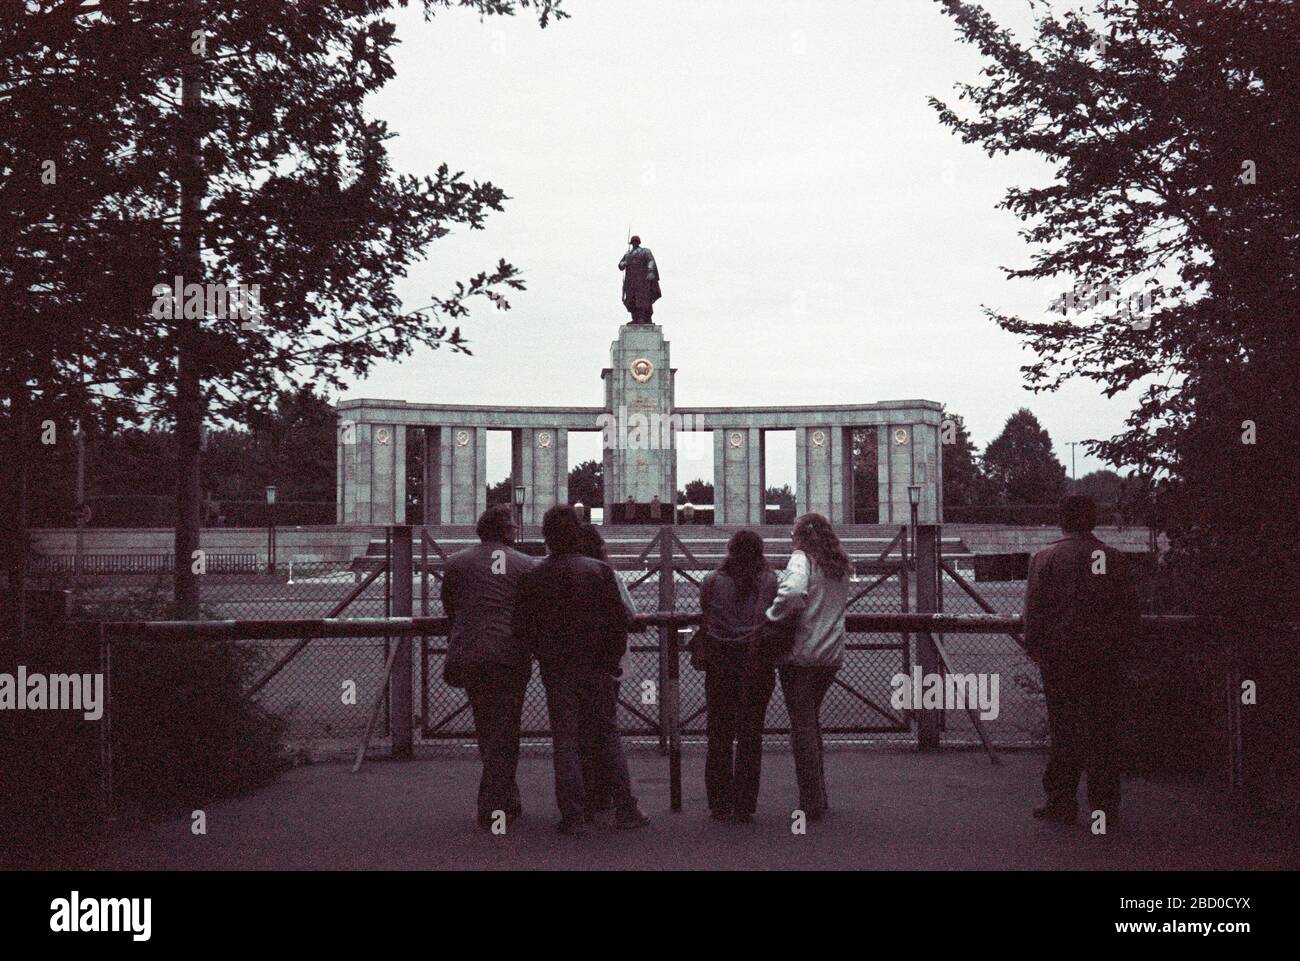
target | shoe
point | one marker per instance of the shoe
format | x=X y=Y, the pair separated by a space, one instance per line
x=636 y=818
x=815 y=814
x=1058 y=815
x=720 y=815
x=572 y=826
x=742 y=817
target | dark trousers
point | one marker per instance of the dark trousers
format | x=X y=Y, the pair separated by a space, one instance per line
x=736 y=691
x=804 y=688
x=595 y=776
x=1083 y=726
x=580 y=701
x=496 y=698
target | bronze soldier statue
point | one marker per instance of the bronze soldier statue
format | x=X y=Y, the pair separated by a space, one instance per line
x=640 y=282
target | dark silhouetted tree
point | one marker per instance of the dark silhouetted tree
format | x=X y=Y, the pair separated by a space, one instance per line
x=1020 y=465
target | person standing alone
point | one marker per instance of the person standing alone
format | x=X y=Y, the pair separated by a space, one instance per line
x=1080 y=608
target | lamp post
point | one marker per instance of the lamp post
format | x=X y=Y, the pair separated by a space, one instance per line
x=270 y=529
x=914 y=498
x=521 y=493
x=580 y=511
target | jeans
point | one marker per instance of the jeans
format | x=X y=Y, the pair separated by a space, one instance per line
x=496 y=698
x=804 y=689
x=580 y=701
x=1083 y=723
x=736 y=691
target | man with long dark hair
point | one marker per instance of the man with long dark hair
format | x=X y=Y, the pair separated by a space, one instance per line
x=569 y=614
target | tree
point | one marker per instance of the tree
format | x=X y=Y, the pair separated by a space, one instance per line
x=587 y=484
x=500 y=493
x=1103 y=486
x=696 y=492
x=782 y=497
x=866 y=479
x=285 y=186
x=1173 y=129
x=963 y=483
x=1020 y=465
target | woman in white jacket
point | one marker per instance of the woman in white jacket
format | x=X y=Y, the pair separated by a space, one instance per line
x=815 y=591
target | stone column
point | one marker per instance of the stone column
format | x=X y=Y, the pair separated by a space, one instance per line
x=814 y=462
x=639 y=394
x=839 y=457
x=884 y=455
x=901 y=471
x=344 y=495
x=720 y=477
x=385 y=460
x=537 y=464
x=800 y=471
x=466 y=480
x=437 y=476
x=757 y=492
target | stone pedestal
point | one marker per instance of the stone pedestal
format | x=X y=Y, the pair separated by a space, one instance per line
x=637 y=430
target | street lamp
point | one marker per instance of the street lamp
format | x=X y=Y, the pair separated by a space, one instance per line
x=270 y=529
x=579 y=509
x=914 y=498
x=521 y=492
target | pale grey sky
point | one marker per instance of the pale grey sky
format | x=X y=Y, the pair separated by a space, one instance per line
x=822 y=239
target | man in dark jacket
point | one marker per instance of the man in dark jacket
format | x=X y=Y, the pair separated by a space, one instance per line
x=483 y=655
x=569 y=613
x=1080 y=611
x=640 y=282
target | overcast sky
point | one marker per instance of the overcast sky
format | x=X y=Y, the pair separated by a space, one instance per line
x=821 y=238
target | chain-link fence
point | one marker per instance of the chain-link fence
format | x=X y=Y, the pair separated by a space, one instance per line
x=324 y=688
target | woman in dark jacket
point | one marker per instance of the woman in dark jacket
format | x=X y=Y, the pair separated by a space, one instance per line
x=737 y=684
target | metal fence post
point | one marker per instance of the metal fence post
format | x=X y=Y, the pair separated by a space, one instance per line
x=926 y=551
x=400 y=705
x=670 y=696
x=667 y=602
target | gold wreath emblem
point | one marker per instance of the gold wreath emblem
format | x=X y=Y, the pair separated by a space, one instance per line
x=462 y=438
x=544 y=439
x=900 y=436
x=819 y=438
x=736 y=438
x=642 y=370
x=382 y=436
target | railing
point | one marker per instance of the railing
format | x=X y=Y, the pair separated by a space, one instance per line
x=929 y=625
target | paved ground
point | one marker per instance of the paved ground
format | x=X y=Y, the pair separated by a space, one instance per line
x=890 y=810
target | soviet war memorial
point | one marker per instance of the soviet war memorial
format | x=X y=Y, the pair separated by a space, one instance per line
x=541 y=435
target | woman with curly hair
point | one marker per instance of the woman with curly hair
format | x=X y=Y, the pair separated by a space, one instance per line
x=814 y=592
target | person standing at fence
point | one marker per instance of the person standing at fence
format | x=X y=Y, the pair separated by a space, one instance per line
x=1080 y=608
x=484 y=657
x=738 y=679
x=600 y=792
x=569 y=614
x=814 y=592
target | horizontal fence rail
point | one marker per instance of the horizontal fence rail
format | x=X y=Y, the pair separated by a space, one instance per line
x=435 y=626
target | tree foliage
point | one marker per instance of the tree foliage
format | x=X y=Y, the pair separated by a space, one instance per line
x=1019 y=465
x=1172 y=128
